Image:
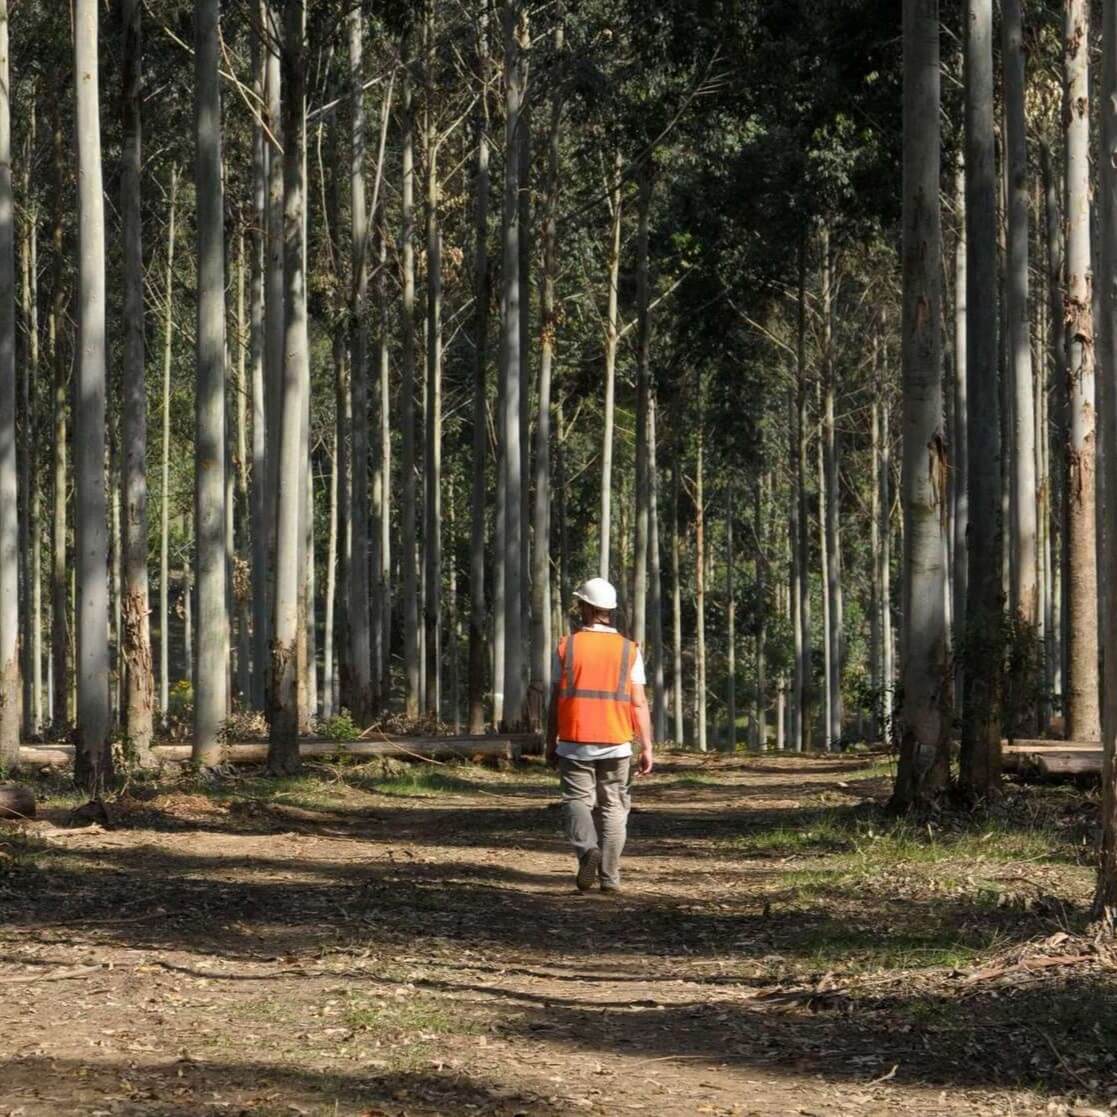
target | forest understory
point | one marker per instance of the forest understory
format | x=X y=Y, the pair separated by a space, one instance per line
x=390 y=939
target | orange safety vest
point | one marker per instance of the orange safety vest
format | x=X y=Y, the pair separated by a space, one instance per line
x=595 y=691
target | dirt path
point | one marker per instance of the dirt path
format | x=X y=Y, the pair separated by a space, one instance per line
x=355 y=950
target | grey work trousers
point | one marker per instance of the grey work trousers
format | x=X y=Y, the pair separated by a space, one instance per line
x=595 y=803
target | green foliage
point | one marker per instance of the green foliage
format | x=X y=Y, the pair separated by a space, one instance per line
x=341 y=727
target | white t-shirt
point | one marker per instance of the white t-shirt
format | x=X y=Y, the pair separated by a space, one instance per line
x=572 y=750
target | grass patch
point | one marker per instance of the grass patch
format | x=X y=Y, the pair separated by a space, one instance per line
x=421 y=782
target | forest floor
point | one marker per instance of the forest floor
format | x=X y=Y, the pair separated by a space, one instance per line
x=355 y=942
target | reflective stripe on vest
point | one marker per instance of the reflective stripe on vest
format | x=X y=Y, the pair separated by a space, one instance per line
x=590 y=715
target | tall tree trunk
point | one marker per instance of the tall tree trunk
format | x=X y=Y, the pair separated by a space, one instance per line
x=876 y=618
x=311 y=623
x=93 y=757
x=1105 y=896
x=796 y=576
x=884 y=482
x=9 y=489
x=432 y=504
x=211 y=673
x=761 y=538
x=1025 y=589
x=1056 y=429
x=274 y=316
x=515 y=69
x=981 y=725
x=655 y=596
x=1083 y=719
x=261 y=504
x=924 y=758
x=283 y=749
x=477 y=612
x=700 y=578
x=541 y=639
x=360 y=691
x=832 y=479
x=805 y=683
x=241 y=536
x=614 y=266
x=524 y=248
x=60 y=625
x=139 y=682
x=959 y=444
x=407 y=397
x=329 y=668
x=165 y=494
x=643 y=396
x=677 y=599
x=731 y=634
x=383 y=595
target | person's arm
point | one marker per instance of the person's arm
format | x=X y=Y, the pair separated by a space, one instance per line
x=552 y=725
x=642 y=720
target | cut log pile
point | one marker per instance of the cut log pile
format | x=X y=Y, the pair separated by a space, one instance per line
x=1053 y=758
x=509 y=746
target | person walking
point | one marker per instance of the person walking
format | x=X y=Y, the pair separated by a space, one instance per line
x=598 y=709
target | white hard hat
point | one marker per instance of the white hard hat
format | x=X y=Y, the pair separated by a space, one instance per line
x=597 y=592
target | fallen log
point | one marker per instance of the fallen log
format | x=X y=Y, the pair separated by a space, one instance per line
x=508 y=746
x=1053 y=758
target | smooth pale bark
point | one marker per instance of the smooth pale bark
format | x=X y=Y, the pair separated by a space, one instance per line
x=241 y=523
x=825 y=584
x=981 y=725
x=432 y=473
x=60 y=623
x=796 y=574
x=924 y=748
x=959 y=443
x=511 y=356
x=93 y=759
x=1025 y=584
x=329 y=666
x=525 y=249
x=410 y=611
x=359 y=696
x=760 y=536
x=677 y=599
x=274 y=319
x=478 y=650
x=833 y=505
x=541 y=638
x=614 y=268
x=113 y=473
x=165 y=475
x=312 y=702
x=876 y=626
x=805 y=682
x=655 y=589
x=9 y=488
x=700 y=579
x=1105 y=896
x=283 y=746
x=136 y=640
x=211 y=669
x=1057 y=386
x=1081 y=699
x=260 y=501
x=383 y=594
x=884 y=482
x=643 y=396
x=730 y=634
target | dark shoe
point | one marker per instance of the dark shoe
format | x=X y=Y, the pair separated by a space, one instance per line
x=612 y=889
x=588 y=864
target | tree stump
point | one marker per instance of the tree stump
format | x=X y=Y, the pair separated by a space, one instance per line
x=16 y=802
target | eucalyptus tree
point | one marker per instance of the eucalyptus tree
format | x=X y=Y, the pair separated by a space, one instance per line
x=283 y=749
x=1081 y=691
x=9 y=526
x=139 y=681
x=93 y=757
x=211 y=674
x=984 y=630
x=924 y=767
x=359 y=698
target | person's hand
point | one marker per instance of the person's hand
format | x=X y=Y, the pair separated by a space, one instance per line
x=645 y=764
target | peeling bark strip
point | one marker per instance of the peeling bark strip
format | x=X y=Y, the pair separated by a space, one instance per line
x=924 y=757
